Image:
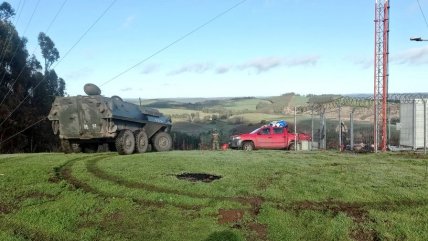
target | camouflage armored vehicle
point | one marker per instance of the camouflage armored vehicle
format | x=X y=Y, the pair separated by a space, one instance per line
x=95 y=123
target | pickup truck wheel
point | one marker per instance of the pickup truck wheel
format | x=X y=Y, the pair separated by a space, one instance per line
x=291 y=147
x=125 y=142
x=247 y=146
x=141 y=141
x=162 y=141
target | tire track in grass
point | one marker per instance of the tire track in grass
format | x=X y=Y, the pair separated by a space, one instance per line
x=93 y=168
x=64 y=172
x=27 y=232
x=253 y=210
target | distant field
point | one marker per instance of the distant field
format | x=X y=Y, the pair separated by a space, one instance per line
x=170 y=111
x=244 y=104
x=261 y=195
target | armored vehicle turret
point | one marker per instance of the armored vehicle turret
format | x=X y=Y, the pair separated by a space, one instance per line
x=93 y=123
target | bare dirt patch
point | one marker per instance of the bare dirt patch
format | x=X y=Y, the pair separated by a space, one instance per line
x=6 y=208
x=235 y=217
x=254 y=202
x=198 y=177
x=230 y=216
x=259 y=229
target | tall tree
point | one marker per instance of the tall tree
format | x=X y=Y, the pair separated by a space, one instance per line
x=22 y=78
x=6 y=11
x=49 y=52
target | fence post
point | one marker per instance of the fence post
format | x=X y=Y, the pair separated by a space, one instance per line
x=340 y=130
x=325 y=132
x=388 y=138
x=425 y=126
x=319 y=133
x=312 y=127
x=295 y=129
x=351 y=120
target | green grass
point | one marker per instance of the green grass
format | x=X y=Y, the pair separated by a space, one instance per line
x=282 y=196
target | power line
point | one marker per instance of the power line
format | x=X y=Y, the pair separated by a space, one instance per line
x=26 y=128
x=10 y=35
x=423 y=15
x=132 y=67
x=56 y=16
x=72 y=47
x=34 y=50
x=175 y=42
x=17 y=46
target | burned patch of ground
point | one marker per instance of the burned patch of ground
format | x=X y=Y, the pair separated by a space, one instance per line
x=198 y=177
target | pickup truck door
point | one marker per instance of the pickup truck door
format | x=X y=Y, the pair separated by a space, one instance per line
x=264 y=138
x=279 y=137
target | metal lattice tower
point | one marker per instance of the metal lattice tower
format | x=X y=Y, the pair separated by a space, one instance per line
x=381 y=73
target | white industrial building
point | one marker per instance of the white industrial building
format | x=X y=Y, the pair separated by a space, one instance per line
x=412 y=121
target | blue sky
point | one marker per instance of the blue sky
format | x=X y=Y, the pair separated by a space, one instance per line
x=260 y=48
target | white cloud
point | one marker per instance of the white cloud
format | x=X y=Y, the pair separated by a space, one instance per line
x=199 y=68
x=150 y=68
x=128 y=21
x=126 y=89
x=223 y=69
x=363 y=62
x=302 y=61
x=267 y=63
x=413 y=56
x=260 y=65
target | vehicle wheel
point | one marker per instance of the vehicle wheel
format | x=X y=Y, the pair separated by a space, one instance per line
x=125 y=142
x=291 y=147
x=141 y=141
x=103 y=147
x=162 y=141
x=66 y=146
x=90 y=148
x=75 y=147
x=247 y=146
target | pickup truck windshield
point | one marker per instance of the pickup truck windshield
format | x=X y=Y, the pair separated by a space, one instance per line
x=255 y=131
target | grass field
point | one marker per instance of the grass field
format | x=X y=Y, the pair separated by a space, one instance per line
x=262 y=195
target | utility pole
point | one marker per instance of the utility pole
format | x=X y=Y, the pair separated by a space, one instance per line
x=381 y=73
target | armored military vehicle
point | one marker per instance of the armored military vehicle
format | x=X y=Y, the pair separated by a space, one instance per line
x=95 y=123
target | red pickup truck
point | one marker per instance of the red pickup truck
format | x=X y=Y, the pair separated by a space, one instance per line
x=267 y=137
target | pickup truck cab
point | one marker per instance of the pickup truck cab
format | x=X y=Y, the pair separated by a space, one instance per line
x=267 y=137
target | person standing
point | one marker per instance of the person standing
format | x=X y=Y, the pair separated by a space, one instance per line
x=215 y=138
